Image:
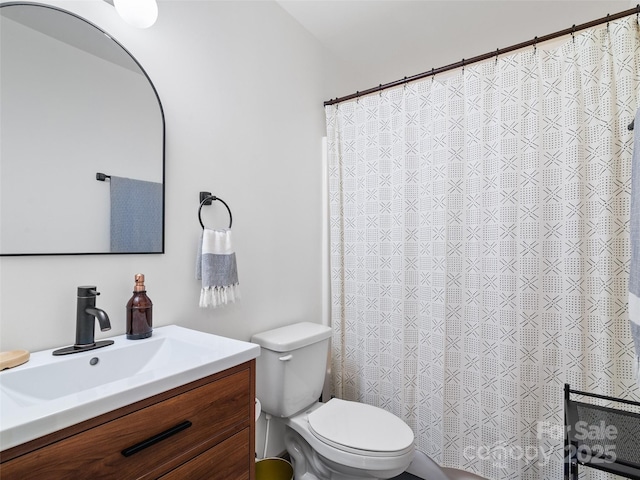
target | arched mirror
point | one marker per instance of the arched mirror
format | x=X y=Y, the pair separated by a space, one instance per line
x=74 y=103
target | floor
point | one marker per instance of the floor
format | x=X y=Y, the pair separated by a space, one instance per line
x=406 y=476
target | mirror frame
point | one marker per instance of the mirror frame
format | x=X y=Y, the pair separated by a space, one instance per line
x=164 y=180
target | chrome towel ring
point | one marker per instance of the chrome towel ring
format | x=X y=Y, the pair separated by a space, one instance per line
x=206 y=199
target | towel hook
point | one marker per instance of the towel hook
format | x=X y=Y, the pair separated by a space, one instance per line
x=205 y=199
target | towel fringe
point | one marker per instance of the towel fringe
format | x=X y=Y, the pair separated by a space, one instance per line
x=216 y=296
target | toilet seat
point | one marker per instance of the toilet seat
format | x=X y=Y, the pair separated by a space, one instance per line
x=360 y=429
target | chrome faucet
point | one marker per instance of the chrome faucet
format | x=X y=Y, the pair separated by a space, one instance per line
x=86 y=316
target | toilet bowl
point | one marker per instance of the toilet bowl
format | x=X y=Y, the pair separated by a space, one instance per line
x=337 y=440
x=348 y=440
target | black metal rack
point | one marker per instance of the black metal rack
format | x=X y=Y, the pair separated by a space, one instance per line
x=604 y=438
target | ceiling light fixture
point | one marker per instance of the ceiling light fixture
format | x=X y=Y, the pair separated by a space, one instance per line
x=137 y=13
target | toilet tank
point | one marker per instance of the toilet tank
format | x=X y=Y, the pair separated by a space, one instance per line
x=291 y=368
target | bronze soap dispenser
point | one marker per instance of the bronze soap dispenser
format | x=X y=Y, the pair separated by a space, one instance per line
x=139 y=311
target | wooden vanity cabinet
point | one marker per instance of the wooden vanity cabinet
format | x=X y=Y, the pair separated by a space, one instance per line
x=202 y=430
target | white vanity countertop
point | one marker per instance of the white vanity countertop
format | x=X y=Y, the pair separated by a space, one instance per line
x=49 y=392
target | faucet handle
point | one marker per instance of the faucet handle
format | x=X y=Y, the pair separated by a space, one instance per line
x=88 y=291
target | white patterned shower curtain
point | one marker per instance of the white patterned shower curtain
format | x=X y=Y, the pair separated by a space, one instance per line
x=480 y=249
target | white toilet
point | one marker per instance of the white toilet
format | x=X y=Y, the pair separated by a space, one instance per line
x=337 y=440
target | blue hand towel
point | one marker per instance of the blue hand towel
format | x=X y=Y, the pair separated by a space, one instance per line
x=217 y=268
x=136 y=215
x=634 y=270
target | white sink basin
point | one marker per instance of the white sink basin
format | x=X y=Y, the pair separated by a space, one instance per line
x=52 y=392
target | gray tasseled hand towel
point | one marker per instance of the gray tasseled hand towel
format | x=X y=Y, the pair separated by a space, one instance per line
x=216 y=267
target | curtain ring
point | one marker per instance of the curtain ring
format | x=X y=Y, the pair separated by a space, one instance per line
x=497 y=54
x=433 y=74
x=380 y=90
x=608 y=22
x=463 y=66
x=573 y=33
x=535 y=45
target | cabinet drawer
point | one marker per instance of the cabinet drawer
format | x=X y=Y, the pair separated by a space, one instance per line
x=229 y=461
x=215 y=410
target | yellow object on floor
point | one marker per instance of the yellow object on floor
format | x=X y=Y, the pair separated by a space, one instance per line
x=13 y=358
x=274 y=468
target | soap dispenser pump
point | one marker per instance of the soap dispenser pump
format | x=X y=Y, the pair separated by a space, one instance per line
x=139 y=311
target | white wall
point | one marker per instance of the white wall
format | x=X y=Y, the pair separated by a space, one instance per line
x=242 y=88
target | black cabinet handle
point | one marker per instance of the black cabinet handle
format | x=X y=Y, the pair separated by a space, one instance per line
x=127 y=452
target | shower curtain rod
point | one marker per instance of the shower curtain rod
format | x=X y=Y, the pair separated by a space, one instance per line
x=487 y=56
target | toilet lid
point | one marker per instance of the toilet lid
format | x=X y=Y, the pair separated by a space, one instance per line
x=357 y=426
